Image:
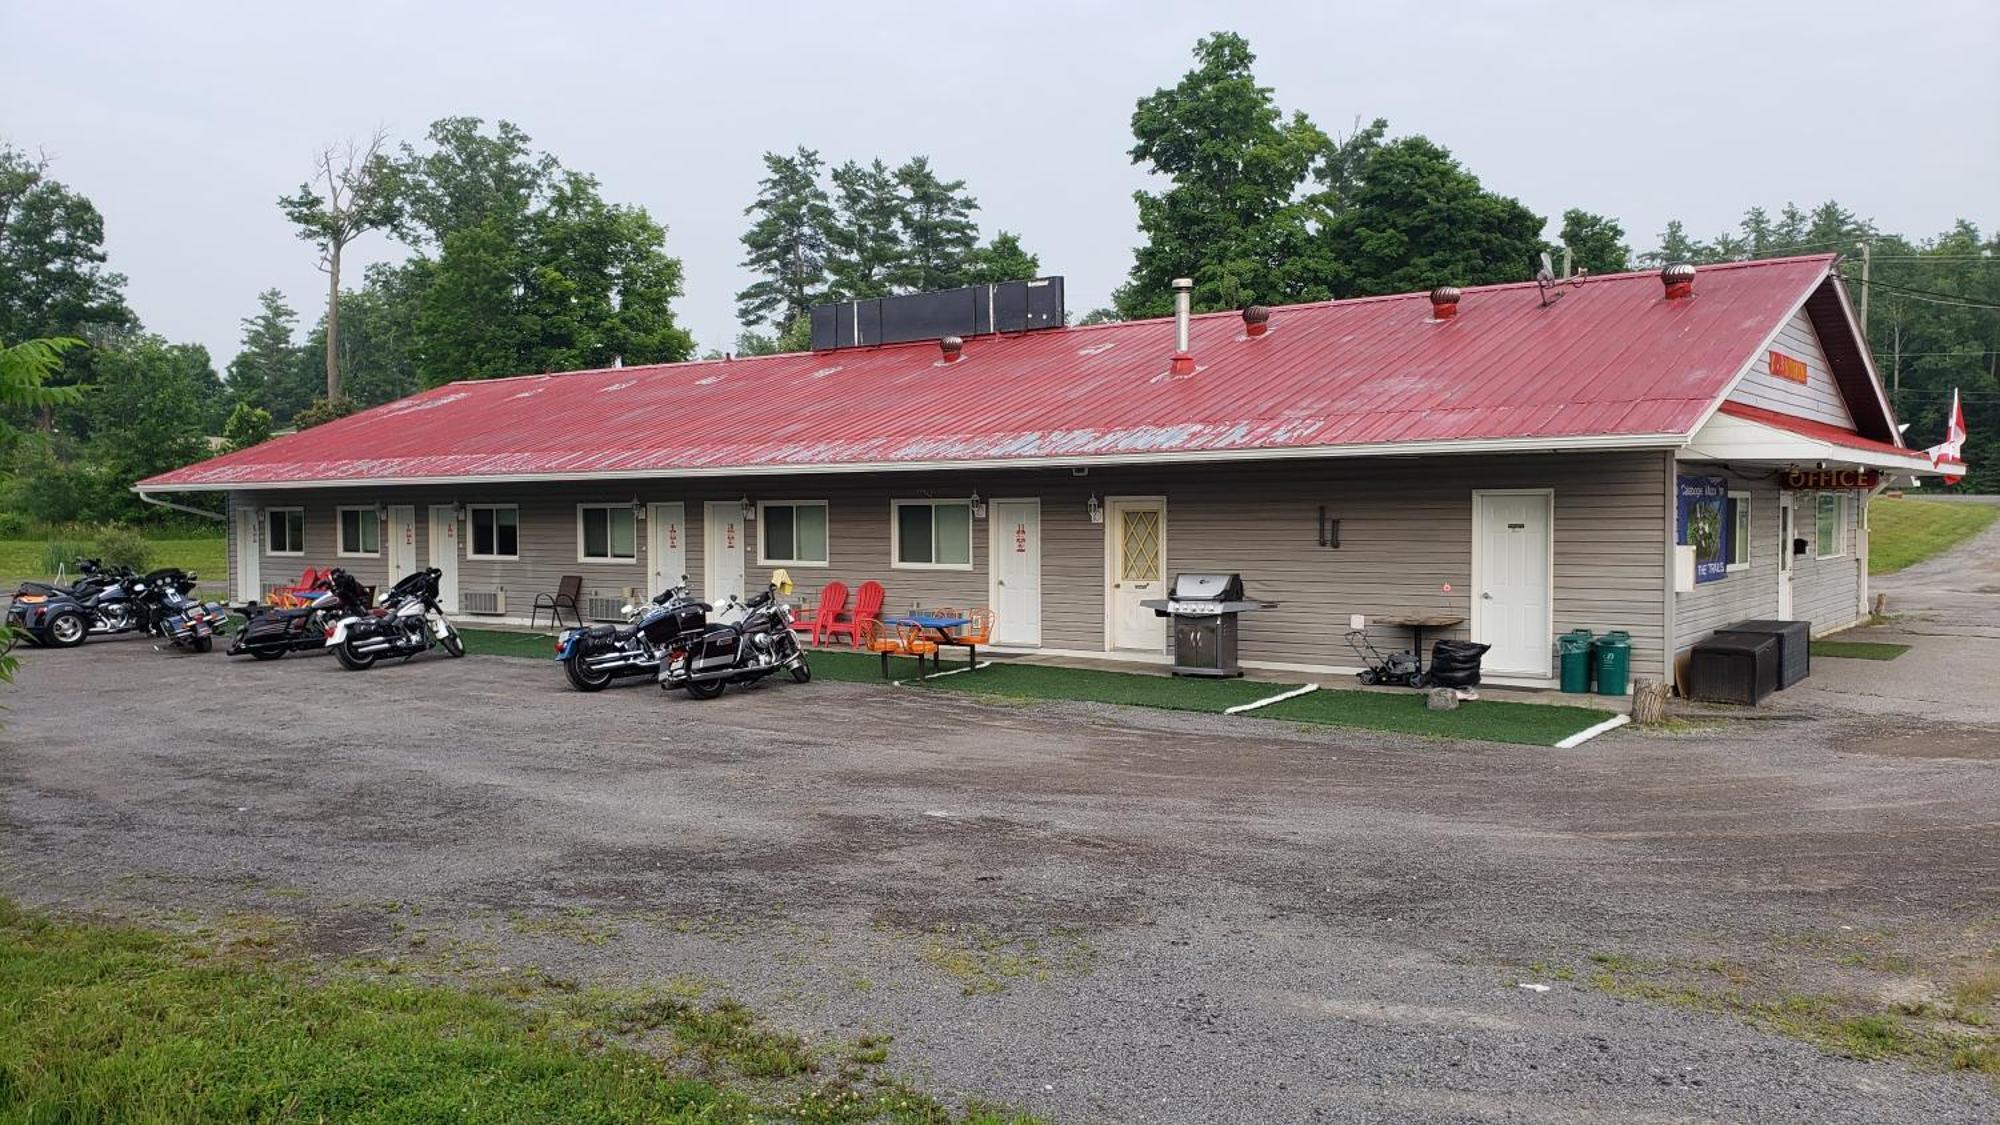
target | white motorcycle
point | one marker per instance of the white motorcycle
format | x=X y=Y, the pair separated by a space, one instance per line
x=407 y=620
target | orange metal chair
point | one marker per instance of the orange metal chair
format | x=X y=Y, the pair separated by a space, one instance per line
x=977 y=631
x=867 y=607
x=916 y=644
x=878 y=639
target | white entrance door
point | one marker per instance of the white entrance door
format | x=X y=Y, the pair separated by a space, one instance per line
x=249 y=550
x=666 y=545
x=402 y=543
x=1511 y=572
x=1785 y=536
x=444 y=554
x=722 y=551
x=1137 y=558
x=1014 y=557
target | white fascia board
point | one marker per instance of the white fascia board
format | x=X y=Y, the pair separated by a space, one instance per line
x=1728 y=438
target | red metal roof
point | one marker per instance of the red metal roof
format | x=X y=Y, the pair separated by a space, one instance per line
x=1611 y=362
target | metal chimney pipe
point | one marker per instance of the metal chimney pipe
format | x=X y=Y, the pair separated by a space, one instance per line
x=1183 y=363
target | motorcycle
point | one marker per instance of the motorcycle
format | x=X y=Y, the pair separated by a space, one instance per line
x=706 y=657
x=269 y=632
x=594 y=655
x=407 y=620
x=58 y=616
x=167 y=610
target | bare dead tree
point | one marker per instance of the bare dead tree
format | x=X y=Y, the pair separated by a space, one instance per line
x=351 y=192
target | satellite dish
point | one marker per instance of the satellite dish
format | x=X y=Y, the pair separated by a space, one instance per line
x=1548 y=271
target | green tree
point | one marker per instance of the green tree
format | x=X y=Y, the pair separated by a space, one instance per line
x=26 y=369
x=1002 y=259
x=1596 y=244
x=52 y=277
x=377 y=340
x=1232 y=218
x=247 y=426
x=322 y=411
x=602 y=285
x=352 y=192
x=1675 y=246
x=1419 y=219
x=938 y=232
x=865 y=236
x=148 y=406
x=269 y=359
x=466 y=178
x=786 y=245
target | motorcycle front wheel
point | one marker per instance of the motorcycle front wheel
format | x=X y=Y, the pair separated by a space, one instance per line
x=351 y=660
x=707 y=689
x=582 y=676
x=452 y=644
x=802 y=672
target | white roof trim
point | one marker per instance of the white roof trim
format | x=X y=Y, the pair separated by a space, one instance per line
x=1586 y=443
x=1729 y=438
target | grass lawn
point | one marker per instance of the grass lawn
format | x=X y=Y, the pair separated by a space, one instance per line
x=115 y=1023
x=1858 y=650
x=504 y=642
x=1904 y=532
x=207 y=557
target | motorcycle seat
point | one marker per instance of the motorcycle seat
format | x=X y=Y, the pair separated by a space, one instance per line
x=602 y=631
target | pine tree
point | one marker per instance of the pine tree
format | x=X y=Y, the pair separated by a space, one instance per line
x=1595 y=244
x=787 y=244
x=1002 y=259
x=866 y=235
x=938 y=231
x=269 y=357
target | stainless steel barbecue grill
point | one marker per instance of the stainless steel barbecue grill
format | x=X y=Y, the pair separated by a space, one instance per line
x=1204 y=608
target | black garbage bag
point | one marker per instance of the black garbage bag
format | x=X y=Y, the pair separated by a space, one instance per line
x=1455 y=664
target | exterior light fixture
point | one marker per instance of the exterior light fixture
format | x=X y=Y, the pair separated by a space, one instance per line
x=638 y=509
x=1095 y=509
x=749 y=509
x=978 y=505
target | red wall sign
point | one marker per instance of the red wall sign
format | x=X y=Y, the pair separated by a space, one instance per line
x=1789 y=367
x=729 y=537
x=1829 y=480
x=673 y=535
x=1020 y=538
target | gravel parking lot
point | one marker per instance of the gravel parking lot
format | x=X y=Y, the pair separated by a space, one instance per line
x=1097 y=914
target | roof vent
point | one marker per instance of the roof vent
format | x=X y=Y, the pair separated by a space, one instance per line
x=1679 y=280
x=1183 y=362
x=1444 y=302
x=952 y=347
x=1256 y=320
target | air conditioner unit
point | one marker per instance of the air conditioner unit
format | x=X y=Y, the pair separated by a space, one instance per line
x=490 y=603
x=604 y=609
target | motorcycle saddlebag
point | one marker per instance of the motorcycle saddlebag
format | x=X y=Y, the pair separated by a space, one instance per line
x=270 y=628
x=673 y=623
x=713 y=649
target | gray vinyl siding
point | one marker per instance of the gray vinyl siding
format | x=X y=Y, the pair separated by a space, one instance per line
x=1818 y=397
x=1406 y=533
x=1827 y=592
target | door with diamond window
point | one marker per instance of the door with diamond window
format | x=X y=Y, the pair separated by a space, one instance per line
x=1138 y=560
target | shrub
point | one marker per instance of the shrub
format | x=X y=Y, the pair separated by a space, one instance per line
x=122 y=546
x=58 y=554
x=247 y=426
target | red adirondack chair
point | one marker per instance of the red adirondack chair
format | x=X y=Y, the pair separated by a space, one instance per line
x=832 y=603
x=867 y=606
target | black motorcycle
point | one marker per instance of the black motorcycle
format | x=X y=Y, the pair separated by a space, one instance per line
x=706 y=657
x=408 y=620
x=168 y=610
x=269 y=632
x=64 y=616
x=594 y=655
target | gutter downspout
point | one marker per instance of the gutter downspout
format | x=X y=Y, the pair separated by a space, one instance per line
x=1863 y=533
x=146 y=499
x=1670 y=640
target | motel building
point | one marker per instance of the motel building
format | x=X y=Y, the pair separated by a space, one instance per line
x=1661 y=453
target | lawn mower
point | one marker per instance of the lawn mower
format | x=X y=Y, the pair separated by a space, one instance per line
x=1397 y=668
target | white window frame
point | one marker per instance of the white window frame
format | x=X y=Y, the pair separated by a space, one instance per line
x=1839 y=525
x=766 y=560
x=896 y=533
x=472 y=551
x=268 y=549
x=1744 y=522
x=615 y=560
x=340 y=531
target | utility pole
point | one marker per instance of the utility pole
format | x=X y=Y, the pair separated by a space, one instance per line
x=1896 y=369
x=1867 y=252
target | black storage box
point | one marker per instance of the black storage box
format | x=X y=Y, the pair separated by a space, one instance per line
x=1734 y=668
x=1794 y=646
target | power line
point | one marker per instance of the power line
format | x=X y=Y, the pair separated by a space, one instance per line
x=1936 y=297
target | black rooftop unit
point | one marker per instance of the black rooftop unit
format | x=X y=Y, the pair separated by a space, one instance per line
x=976 y=310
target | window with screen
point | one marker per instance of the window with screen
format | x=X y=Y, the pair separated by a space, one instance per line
x=607 y=533
x=1737 y=519
x=792 y=533
x=1830 y=522
x=932 y=534
x=285 y=532
x=496 y=531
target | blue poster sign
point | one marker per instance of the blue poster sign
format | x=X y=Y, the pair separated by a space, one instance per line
x=1702 y=502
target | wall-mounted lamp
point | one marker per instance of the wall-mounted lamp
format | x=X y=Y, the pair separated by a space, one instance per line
x=457 y=511
x=382 y=513
x=749 y=510
x=1095 y=509
x=638 y=509
x=978 y=506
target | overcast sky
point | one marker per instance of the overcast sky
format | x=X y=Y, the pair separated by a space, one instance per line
x=184 y=121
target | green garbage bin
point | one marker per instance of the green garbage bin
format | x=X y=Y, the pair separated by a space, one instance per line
x=1611 y=655
x=1574 y=647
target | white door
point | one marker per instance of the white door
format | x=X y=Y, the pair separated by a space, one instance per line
x=1511 y=570
x=666 y=545
x=722 y=551
x=249 y=549
x=1785 y=535
x=1138 y=560
x=402 y=543
x=444 y=554
x=1014 y=557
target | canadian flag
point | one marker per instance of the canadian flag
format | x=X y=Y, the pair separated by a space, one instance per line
x=1952 y=448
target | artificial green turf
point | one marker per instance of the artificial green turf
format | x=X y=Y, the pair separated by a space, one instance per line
x=505 y=642
x=1530 y=724
x=1042 y=681
x=1858 y=650
x=1903 y=532
x=115 y=1023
